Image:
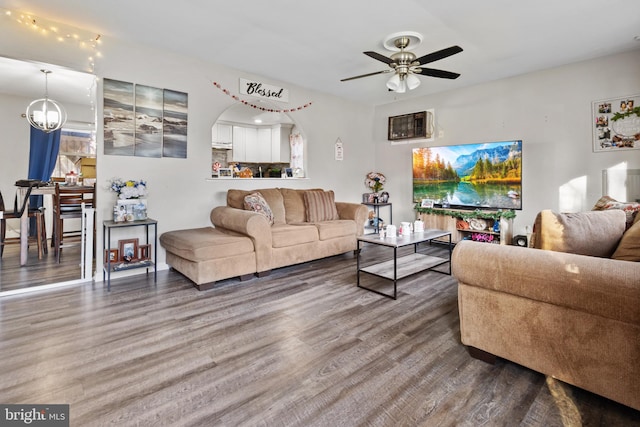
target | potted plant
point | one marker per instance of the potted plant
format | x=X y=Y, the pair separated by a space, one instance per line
x=275 y=173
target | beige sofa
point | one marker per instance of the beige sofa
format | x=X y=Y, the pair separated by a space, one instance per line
x=245 y=241
x=292 y=238
x=568 y=311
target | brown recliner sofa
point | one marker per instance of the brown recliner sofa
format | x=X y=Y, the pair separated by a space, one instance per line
x=568 y=311
x=243 y=242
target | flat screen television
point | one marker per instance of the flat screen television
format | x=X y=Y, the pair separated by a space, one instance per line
x=469 y=176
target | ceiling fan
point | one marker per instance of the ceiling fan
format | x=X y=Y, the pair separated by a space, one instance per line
x=405 y=65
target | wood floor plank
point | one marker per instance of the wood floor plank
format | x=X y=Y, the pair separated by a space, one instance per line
x=37 y=272
x=301 y=347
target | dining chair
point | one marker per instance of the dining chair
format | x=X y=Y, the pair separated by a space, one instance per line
x=67 y=204
x=41 y=230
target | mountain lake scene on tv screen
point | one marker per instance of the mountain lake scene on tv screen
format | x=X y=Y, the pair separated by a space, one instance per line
x=487 y=175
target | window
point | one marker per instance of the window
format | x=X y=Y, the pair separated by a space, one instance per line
x=77 y=153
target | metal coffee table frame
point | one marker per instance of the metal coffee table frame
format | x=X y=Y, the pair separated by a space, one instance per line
x=404 y=266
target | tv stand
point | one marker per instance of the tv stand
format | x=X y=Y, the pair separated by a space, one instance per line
x=465 y=227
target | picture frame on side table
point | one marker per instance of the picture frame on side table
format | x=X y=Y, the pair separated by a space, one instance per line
x=111 y=255
x=128 y=249
x=426 y=203
x=145 y=252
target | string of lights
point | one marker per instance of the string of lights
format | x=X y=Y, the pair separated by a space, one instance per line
x=60 y=33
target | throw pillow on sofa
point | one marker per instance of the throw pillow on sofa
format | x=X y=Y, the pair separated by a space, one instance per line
x=629 y=247
x=592 y=233
x=320 y=206
x=631 y=209
x=256 y=203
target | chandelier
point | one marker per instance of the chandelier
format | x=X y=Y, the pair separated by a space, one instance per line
x=46 y=114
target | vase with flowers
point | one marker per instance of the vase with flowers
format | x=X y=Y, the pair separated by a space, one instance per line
x=375 y=181
x=131 y=204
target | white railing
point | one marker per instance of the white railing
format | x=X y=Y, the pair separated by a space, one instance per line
x=86 y=257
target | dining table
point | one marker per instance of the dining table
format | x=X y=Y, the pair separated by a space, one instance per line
x=24 y=219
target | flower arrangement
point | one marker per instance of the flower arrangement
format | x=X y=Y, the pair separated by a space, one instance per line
x=129 y=189
x=375 y=181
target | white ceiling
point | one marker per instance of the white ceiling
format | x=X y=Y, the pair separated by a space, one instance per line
x=25 y=79
x=314 y=44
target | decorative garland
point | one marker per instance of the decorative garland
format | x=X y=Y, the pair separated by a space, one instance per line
x=258 y=107
x=618 y=116
x=467 y=215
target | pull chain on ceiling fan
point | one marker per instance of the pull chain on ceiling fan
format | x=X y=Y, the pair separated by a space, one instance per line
x=405 y=65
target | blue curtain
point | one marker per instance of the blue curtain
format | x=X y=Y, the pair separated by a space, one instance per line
x=43 y=154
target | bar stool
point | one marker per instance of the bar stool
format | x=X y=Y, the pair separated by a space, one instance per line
x=41 y=230
x=67 y=204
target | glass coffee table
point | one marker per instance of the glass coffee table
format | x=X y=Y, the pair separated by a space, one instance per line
x=406 y=265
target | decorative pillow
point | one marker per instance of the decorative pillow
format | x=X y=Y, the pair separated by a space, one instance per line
x=293 y=199
x=320 y=206
x=631 y=209
x=255 y=202
x=629 y=247
x=590 y=233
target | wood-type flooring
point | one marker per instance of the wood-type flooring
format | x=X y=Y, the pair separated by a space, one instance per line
x=37 y=272
x=301 y=347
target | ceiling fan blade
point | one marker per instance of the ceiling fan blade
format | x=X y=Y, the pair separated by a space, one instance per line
x=366 y=75
x=441 y=54
x=437 y=73
x=379 y=57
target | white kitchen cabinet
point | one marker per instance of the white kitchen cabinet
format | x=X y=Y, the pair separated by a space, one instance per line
x=222 y=133
x=261 y=145
x=251 y=144
x=280 y=147
x=239 y=145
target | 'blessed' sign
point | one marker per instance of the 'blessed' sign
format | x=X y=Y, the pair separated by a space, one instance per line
x=265 y=91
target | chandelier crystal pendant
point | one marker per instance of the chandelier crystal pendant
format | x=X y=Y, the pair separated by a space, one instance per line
x=46 y=114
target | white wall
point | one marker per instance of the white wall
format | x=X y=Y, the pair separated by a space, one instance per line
x=181 y=193
x=14 y=144
x=549 y=110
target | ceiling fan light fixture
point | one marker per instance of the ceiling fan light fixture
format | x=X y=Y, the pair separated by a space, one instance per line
x=394 y=82
x=399 y=83
x=46 y=114
x=412 y=81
